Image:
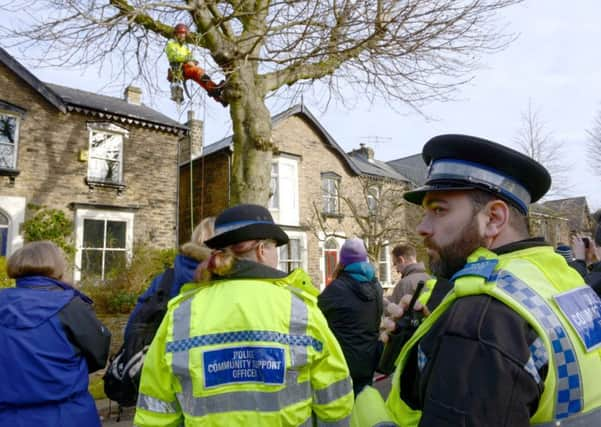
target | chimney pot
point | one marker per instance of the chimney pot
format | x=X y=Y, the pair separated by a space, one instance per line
x=133 y=95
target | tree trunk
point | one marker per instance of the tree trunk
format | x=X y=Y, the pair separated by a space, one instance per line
x=251 y=121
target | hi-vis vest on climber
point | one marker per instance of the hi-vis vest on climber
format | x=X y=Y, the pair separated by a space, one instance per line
x=183 y=67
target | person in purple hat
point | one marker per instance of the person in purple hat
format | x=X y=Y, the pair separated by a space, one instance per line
x=352 y=305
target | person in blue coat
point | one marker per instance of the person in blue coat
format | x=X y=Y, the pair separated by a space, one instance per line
x=191 y=254
x=50 y=340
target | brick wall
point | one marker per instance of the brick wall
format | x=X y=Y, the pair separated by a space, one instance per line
x=210 y=191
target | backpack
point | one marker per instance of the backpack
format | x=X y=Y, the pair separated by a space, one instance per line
x=122 y=377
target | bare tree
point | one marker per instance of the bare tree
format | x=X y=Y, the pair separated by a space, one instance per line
x=537 y=142
x=410 y=51
x=377 y=211
x=594 y=146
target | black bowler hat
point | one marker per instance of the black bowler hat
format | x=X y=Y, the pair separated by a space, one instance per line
x=462 y=162
x=245 y=222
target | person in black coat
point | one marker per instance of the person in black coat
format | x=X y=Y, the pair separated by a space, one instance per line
x=353 y=305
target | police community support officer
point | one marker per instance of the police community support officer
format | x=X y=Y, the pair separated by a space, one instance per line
x=249 y=347
x=515 y=342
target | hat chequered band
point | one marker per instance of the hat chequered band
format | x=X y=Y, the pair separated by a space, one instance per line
x=243 y=336
x=569 y=383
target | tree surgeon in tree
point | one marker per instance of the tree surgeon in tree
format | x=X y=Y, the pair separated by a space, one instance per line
x=183 y=66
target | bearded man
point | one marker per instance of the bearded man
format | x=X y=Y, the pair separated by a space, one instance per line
x=515 y=340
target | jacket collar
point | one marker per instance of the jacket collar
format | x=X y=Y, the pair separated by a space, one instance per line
x=521 y=244
x=416 y=267
x=244 y=269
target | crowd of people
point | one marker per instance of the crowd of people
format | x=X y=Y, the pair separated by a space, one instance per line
x=509 y=332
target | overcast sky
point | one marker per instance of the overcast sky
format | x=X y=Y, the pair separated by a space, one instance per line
x=555 y=63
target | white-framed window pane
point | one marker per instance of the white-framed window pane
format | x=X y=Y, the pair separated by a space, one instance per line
x=114 y=260
x=91 y=262
x=8 y=140
x=373 y=195
x=115 y=234
x=104 y=247
x=290 y=255
x=93 y=233
x=329 y=193
x=274 y=200
x=383 y=265
x=105 y=159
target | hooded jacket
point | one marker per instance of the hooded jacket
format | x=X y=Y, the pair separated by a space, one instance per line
x=50 y=340
x=352 y=305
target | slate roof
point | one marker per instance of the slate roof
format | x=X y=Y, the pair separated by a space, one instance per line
x=413 y=167
x=301 y=110
x=375 y=167
x=105 y=107
x=113 y=108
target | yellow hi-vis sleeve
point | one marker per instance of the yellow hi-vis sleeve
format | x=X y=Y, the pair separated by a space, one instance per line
x=370 y=410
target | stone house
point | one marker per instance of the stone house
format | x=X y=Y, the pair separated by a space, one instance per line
x=577 y=212
x=110 y=164
x=318 y=191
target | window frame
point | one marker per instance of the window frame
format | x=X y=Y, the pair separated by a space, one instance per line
x=14 y=208
x=287 y=211
x=81 y=215
x=275 y=192
x=7 y=112
x=373 y=195
x=302 y=261
x=5 y=230
x=384 y=262
x=328 y=196
x=110 y=129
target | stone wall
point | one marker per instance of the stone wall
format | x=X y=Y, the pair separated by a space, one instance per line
x=52 y=174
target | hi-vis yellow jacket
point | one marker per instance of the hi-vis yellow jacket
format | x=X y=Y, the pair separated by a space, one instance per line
x=245 y=352
x=566 y=314
x=178 y=52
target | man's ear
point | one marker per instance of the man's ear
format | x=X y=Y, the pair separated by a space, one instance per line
x=260 y=252
x=497 y=218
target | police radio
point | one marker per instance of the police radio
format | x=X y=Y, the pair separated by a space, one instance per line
x=404 y=329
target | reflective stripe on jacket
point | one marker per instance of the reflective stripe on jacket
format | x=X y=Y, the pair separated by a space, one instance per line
x=178 y=52
x=528 y=281
x=240 y=352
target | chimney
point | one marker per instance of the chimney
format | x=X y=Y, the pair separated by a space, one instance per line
x=194 y=135
x=133 y=95
x=366 y=152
